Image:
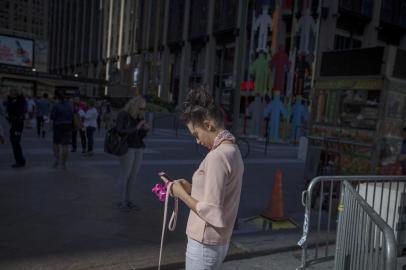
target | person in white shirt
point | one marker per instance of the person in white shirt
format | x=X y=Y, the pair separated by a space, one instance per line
x=90 y=125
x=31 y=108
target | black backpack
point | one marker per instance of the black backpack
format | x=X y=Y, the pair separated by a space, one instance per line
x=115 y=143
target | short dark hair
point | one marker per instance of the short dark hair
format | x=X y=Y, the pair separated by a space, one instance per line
x=199 y=106
x=404 y=129
x=45 y=95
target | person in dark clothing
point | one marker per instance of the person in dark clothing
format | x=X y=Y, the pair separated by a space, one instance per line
x=78 y=125
x=43 y=108
x=130 y=122
x=16 y=110
x=402 y=157
x=62 y=117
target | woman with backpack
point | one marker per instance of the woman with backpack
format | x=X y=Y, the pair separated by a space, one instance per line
x=131 y=123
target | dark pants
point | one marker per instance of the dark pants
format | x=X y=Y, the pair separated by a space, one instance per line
x=82 y=139
x=40 y=126
x=90 y=138
x=16 y=131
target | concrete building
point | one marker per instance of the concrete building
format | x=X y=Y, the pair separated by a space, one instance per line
x=184 y=44
x=24 y=18
x=27 y=20
x=166 y=47
x=96 y=39
x=76 y=41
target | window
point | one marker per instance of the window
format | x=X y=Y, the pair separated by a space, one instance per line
x=346 y=43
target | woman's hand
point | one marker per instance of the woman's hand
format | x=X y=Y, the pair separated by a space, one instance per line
x=146 y=126
x=187 y=186
x=180 y=187
x=141 y=124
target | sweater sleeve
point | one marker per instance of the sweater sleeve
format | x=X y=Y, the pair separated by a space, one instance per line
x=122 y=124
x=210 y=208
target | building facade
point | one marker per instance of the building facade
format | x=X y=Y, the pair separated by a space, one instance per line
x=166 y=47
x=24 y=20
x=76 y=40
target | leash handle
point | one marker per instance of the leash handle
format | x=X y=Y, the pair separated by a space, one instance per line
x=172 y=221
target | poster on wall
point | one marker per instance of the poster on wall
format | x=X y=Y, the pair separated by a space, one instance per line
x=16 y=51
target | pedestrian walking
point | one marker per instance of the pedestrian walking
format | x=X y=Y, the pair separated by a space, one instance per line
x=2 y=128
x=62 y=117
x=16 y=110
x=131 y=123
x=107 y=116
x=30 y=112
x=402 y=157
x=214 y=194
x=43 y=109
x=98 y=107
x=90 y=124
x=78 y=126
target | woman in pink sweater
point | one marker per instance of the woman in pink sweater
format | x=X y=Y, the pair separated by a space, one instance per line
x=214 y=194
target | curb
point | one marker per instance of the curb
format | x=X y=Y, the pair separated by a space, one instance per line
x=231 y=257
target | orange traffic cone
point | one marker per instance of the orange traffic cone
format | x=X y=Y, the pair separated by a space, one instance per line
x=275 y=211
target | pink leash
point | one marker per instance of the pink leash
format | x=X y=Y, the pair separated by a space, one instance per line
x=172 y=221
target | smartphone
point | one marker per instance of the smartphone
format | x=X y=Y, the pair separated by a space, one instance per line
x=165 y=176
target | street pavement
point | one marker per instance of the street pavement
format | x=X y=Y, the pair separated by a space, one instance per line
x=56 y=219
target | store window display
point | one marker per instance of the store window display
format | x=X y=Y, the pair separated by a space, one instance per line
x=300 y=115
x=275 y=110
x=263 y=24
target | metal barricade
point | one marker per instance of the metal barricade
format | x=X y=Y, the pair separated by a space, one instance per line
x=173 y=117
x=364 y=239
x=385 y=194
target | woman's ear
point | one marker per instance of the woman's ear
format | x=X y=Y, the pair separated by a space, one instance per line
x=209 y=125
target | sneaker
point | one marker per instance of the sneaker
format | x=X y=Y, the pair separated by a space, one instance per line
x=88 y=154
x=123 y=207
x=16 y=166
x=133 y=206
x=55 y=165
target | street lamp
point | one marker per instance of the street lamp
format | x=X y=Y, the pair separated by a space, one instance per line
x=33 y=69
x=76 y=75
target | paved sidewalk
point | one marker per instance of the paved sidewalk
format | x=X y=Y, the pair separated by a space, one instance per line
x=54 y=219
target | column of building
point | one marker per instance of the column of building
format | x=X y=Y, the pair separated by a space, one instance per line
x=165 y=64
x=210 y=50
x=185 y=55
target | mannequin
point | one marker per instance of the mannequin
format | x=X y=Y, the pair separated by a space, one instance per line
x=299 y=113
x=256 y=112
x=260 y=71
x=306 y=28
x=275 y=109
x=279 y=65
x=263 y=23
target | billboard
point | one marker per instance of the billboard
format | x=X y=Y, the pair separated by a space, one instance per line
x=16 y=51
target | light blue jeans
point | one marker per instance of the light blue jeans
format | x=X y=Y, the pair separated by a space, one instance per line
x=204 y=257
x=130 y=164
